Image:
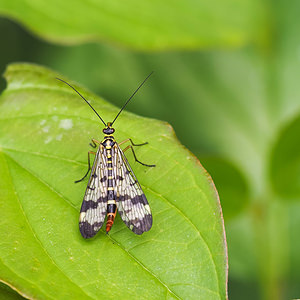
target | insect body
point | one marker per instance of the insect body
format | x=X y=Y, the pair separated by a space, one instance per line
x=113 y=186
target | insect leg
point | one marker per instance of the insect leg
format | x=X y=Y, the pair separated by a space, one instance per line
x=132 y=143
x=94 y=143
x=130 y=147
x=89 y=162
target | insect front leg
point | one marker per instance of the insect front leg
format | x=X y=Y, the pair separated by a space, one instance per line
x=89 y=168
x=132 y=143
x=94 y=143
x=130 y=147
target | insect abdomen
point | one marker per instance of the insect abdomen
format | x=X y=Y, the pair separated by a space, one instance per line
x=111 y=201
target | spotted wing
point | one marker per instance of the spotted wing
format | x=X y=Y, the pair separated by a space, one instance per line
x=132 y=204
x=94 y=205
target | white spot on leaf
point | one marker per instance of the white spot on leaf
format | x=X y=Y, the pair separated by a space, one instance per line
x=66 y=124
x=48 y=139
x=59 y=137
x=46 y=128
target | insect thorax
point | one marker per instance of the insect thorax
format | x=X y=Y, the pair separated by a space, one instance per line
x=108 y=141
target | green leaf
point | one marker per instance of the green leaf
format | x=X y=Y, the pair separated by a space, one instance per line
x=146 y=25
x=230 y=183
x=45 y=131
x=6 y=293
x=286 y=160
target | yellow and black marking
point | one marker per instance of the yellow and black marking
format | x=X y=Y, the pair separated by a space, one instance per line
x=111 y=202
x=112 y=185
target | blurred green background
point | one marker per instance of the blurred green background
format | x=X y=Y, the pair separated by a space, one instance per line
x=226 y=78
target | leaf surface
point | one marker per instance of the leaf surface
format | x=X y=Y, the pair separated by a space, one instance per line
x=45 y=132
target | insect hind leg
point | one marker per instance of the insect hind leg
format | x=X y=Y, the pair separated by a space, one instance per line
x=89 y=168
x=132 y=143
x=130 y=147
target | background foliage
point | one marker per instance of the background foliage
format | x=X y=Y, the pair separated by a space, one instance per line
x=227 y=81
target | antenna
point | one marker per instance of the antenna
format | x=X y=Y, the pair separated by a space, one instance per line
x=83 y=99
x=93 y=107
x=130 y=98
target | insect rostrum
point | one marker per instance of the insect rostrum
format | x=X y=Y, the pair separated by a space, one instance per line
x=112 y=185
